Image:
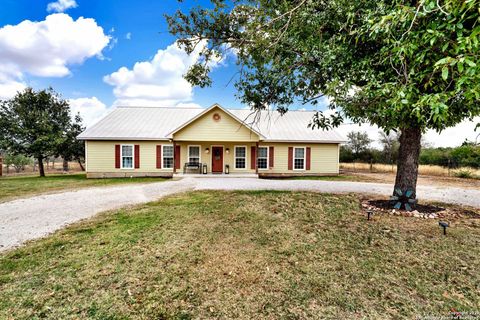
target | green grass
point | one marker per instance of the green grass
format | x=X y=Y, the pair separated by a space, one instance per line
x=334 y=178
x=18 y=187
x=244 y=255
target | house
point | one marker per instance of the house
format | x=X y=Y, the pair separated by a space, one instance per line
x=134 y=141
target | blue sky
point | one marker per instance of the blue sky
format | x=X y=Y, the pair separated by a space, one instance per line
x=104 y=53
x=144 y=23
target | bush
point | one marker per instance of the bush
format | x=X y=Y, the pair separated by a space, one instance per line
x=465 y=173
x=17 y=161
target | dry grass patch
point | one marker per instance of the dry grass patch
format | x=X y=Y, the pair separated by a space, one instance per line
x=244 y=255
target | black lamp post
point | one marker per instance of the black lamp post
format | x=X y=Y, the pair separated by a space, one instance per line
x=444 y=225
x=369 y=214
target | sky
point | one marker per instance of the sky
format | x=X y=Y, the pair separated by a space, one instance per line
x=103 y=54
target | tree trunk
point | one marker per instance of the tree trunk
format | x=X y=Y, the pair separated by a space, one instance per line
x=41 y=169
x=407 y=163
x=81 y=165
x=65 y=165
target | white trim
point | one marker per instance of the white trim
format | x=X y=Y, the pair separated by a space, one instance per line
x=215 y=105
x=86 y=156
x=133 y=156
x=235 y=157
x=163 y=153
x=199 y=152
x=268 y=158
x=304 y=159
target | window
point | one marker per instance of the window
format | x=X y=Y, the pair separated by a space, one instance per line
x=299 y=158
x=262 y=160
x=194 y=154
x=240 y=157
x=127 y=156
x=167 y=156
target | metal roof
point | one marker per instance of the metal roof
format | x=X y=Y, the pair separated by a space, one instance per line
x=157 y=123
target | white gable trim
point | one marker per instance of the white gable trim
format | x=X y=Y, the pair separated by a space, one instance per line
x=216 y=105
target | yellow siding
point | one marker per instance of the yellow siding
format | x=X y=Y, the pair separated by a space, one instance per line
x=207 y=157
x=324 y=159
x=101 y=156
x=206 y=128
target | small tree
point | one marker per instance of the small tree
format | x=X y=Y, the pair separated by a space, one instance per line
x=18 y=161
x=34 y=123
x=390 y=144
x=72 y=149
x=358 y=142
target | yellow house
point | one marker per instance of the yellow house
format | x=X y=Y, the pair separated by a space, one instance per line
x=134 y=142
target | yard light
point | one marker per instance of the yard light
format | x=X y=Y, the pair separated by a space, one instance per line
x=207 y=150
x=444 y=225
x=227 y=151
x=369 y=214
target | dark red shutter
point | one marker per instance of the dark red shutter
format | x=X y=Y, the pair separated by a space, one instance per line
x=271 y=159
x=137 y=156
x=177 y=157
x=290 y=158
x=309 y=158
x=159 y=157
x=253 y=157
x=117 y=156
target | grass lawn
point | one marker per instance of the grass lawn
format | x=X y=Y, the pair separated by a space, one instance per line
x=333 y=178
x=244 y=255
x=17 y=187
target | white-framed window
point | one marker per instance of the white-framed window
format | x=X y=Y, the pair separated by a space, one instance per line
x=240 y=157
x=262 y=158
x=167 y=156
x=127 y=155
x=194 y=154
x=299 y=158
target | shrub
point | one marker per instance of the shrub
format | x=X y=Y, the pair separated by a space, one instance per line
x=464 y=173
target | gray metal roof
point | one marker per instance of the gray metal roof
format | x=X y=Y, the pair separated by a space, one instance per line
x=148 y=123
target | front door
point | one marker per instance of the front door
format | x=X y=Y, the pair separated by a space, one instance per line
x=217 y=159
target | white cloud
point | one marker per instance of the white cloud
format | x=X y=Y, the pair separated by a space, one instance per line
x=128 y=36
x=451 y=137
x=46 y=48
x=157 y=82
x=61 y=5
x=91 y=109
x=8 y=89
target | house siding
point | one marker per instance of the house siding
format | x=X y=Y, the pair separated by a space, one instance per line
x=100 y=158
x=205 y=128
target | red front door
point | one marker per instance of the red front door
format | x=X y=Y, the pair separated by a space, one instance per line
x=217 y=159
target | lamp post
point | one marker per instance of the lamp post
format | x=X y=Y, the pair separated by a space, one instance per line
x=444 y=225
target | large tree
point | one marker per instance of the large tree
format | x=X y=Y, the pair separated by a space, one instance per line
x=34 y=123
x=358 y=142
x=402 y=65
x=72 y=149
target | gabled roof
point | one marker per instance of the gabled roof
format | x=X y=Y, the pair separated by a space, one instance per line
x=205 y=111
x=158 y=123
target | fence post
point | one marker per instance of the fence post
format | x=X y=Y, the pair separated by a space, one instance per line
x=371 y=165
x=1 y=166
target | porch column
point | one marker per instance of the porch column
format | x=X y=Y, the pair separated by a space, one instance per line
x=256 y=157
x=174 y=160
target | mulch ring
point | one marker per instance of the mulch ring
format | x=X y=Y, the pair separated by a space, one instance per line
x=425 y=211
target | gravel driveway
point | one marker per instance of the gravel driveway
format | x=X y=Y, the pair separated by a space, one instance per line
x=31 y=218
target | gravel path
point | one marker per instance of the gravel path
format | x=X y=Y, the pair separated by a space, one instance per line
x=32 y=218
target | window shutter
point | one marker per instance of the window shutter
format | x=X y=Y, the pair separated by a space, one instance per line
x=290 y=158
x=159 y=157
x=137 y=156
x=253 y=157
x=177 y=157
x=271 y=157
x=117 y=156
x=309 y=157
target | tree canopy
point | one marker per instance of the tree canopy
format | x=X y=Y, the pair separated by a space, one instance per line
x=404 y=66
x=34 y=123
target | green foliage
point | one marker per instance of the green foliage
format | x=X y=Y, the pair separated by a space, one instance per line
x=462 y=156
x=34 y=123
x=389 y=63
x=71 y=148
x=358 y=141
x=17 y=161
x=464 y=173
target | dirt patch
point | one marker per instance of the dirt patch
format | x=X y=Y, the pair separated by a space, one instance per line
x=426 y=210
